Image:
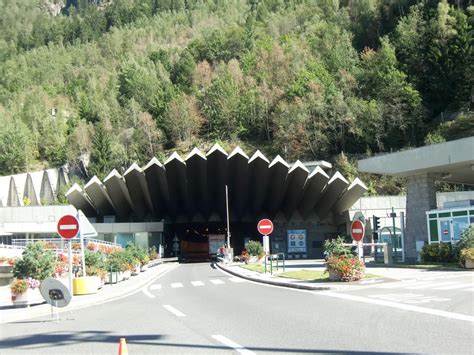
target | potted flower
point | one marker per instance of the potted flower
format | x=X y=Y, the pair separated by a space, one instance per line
x=344 y=268
x=467 y=255
x=25 y=292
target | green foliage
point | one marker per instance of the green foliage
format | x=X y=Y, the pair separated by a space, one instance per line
x=335 y=247
x=36 y=262
x=438 y=252
x=465 y=242
x=124 y=80
x=254 y=248
x=94 y=259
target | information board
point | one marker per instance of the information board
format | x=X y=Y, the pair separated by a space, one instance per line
x=296 y=240
x=215 y=242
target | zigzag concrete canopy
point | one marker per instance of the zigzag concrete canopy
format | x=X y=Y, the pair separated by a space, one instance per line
x=193 y=189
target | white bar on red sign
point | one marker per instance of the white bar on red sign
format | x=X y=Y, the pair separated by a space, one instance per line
x=68 y=227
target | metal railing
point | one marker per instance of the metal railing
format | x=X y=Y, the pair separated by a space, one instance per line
x=269 y=259
x=61 y=244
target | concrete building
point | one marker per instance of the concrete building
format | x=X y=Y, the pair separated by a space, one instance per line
x=451 y=162
x=188 y=197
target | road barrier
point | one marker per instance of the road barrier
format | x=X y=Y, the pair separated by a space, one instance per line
x=269 y=259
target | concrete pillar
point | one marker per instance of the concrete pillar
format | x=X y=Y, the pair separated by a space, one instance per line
x=421 y=197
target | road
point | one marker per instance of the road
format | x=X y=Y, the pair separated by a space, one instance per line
x=195 y=308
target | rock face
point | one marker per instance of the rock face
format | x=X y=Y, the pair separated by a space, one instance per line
x=53 y=7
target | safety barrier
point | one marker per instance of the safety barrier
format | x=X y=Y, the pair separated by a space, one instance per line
x=274 y=257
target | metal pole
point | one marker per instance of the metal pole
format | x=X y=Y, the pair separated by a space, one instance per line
x=81 y=240
x=227 y=211
x=69 y=263
x=395 y=243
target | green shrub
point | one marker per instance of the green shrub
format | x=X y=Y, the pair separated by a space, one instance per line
x=254 y=248
x=466 y=242
x=442 y=252
x=94 y=259
x=36 y=262
x=336 y=247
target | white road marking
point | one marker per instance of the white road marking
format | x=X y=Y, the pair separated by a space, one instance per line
x=407 y=307
x=469 y=289
x=409 y=298
x=145 y=288
x=453 y=287
x=197 y=283
x=176 y=285
x=217 y=282
x=367 y=282
x=155 y=287
x=236 y=279
x=397 y=284
x=428 y=285
x=227 y=342
x=174 y=310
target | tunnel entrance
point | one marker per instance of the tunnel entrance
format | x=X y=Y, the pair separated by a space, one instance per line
x=198 y=242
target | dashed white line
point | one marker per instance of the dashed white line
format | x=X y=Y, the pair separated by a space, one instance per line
x=217 y=282
x=174 y=310
x=236 y=279
x=197 y=283
x=227 y=342
x=176 y=285
x=452 y=287
x=155 y=287
x=428 y=285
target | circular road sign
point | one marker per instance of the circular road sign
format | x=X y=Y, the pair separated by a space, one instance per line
x=68 y=226
x=265 y=226
x=357 y=230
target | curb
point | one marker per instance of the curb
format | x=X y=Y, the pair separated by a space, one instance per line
x=42 y=312
x=274 y=283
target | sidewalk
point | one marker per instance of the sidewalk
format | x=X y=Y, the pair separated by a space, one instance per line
x=386 y=274
x=8 y=313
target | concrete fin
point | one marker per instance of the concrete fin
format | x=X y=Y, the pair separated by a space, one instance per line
x=258 y=155
x=197 y=152
x=30 y=191
x=216 y=147
x=131 y=168
x=238 y=151
x=47 y=192
x=278 y=160
x=13 y=199
x=174 y=156
x=153 y=161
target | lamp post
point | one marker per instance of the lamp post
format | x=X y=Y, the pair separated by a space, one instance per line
x=227 y=212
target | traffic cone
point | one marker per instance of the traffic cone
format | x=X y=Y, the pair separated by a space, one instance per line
x=123 y=347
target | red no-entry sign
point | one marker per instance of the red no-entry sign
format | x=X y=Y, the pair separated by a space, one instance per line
x=357 y=230
x=68 y=226
x=265 y=226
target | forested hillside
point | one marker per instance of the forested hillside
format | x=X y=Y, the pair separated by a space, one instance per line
x=120 y=81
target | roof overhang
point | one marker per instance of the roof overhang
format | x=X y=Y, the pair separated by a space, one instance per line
x=451 y=162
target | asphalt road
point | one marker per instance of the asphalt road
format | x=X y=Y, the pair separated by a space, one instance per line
x=196 y=308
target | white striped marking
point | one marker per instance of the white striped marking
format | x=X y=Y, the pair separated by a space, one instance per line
x=429 y=285
x=155 y=287
x=176 y=285
x=397 y=284
x=197 y=283
x=174 y=310
x=407 y=307
x=217 y=282
x=227 y=342
x=452 y=287
x=66 y=227
x=236 y=279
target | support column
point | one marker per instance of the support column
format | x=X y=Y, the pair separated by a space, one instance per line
x=421 y=197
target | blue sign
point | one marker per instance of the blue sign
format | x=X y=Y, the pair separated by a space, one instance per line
x=296 y=240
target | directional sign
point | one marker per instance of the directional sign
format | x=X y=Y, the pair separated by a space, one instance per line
x=68 y=226
x=357 y=230
x=265 y=226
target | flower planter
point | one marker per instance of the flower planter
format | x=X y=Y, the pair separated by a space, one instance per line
x=136 y=270
x=333 y=275
x=30 y=297
x=469 y=264
x=127 y=274
x=85 y=285
x=112 y=277
x=143 y=268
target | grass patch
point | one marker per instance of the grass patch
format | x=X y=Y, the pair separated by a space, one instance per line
x=254 y=267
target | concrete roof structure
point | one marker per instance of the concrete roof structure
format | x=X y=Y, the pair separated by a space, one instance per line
x=193 y=189
x=40 y=187
x=451 y=162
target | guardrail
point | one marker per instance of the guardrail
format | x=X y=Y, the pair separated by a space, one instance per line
x=274 y=257
x=61 y=244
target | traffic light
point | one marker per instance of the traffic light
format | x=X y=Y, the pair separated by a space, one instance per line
x=376 y=223
x=375 y=227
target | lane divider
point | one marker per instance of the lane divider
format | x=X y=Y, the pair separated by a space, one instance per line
x=174 y=310
x=227 y=342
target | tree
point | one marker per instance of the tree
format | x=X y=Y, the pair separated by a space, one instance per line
x=17 y=149
x=101 y=159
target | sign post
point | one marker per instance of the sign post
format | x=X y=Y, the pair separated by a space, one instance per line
x=68 y=227
x=265 y=227
x=357 y=233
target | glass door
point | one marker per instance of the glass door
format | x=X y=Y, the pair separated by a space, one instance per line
x=445 y=230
